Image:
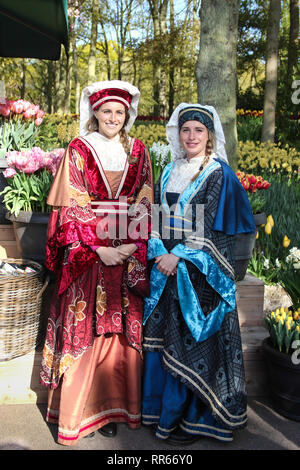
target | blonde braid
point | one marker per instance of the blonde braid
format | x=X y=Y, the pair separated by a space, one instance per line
x=124 y=140
x=205 y=161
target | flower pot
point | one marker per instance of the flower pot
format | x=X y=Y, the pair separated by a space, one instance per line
x=260 y=219
x=284 y=378
x=31 y=233
x=243 y=247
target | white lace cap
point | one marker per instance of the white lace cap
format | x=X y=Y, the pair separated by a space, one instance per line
x=85 y=108
x=172 y=132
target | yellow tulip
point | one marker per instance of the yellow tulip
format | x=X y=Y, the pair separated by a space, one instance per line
x=257 y=234
x=270 y=220
x=286 y=241
x=268 y=228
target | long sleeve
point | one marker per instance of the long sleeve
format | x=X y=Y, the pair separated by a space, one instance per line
x=72 y=227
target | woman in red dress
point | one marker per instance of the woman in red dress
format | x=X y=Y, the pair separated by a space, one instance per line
x=97 y=247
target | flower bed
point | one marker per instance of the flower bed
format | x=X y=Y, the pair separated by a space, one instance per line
x=268 y=159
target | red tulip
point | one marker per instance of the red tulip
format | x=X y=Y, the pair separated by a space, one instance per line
x=245 y=184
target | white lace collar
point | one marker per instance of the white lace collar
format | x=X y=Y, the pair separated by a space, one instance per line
x=183 y=172
x=111 y=152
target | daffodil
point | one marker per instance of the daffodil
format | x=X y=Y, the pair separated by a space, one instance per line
x=268 y=228
x=270 y=220
x=286 y=241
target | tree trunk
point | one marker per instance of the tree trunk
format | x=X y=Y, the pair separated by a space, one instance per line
x=293 y=40
x=76 y=75
x=268 y=128
x=215 y=69
x=156 y=67
x=50 y=85
x=105 y=49
x=163 y=68
x=93 y=43
x=60 y=83
x=172 y=66
x=69 y=68
x=158 y=10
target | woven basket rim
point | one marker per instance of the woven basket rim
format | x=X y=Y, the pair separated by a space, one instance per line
x=20 y=261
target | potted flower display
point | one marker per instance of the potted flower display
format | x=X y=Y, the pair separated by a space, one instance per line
x=19 y=124
x=29 y=177
x=282 y=348
x=244 y=242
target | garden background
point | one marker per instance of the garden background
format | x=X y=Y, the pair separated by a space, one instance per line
x=160 y=46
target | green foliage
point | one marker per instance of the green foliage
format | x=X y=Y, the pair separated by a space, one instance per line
x=249 y=128
x=57 y=130
x=257 y=202
x=27 y=192
x=17 y=134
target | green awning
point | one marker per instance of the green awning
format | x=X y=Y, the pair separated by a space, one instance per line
x=33 y=28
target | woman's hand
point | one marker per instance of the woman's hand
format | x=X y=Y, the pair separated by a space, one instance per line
x=110 y=256
x=127 y=250
x=167 y=264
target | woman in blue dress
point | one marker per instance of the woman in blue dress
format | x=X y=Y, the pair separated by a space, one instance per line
x=194 y=383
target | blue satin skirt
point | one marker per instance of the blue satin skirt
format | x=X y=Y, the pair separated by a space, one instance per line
x=169 y=403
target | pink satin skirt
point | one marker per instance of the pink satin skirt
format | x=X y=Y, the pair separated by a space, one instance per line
x=101 y=387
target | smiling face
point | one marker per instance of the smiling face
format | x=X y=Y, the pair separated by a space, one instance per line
x=111 y=117
x=193 y=137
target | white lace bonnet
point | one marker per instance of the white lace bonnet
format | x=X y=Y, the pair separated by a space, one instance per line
x=85 y=108
x=172 y=132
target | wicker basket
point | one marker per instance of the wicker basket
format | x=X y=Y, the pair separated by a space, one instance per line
x=20 y=307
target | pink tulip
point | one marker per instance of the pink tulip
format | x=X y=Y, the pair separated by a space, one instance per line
x=29 y=113
x=11 y=158
x=38 y=121
x=31 y=167
x=4 y=110
x=17 y=107
x=40 y=113
x=9 y=172
x=26 y=105
x=36 y=109
x=47 y=162
x=21 y=160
